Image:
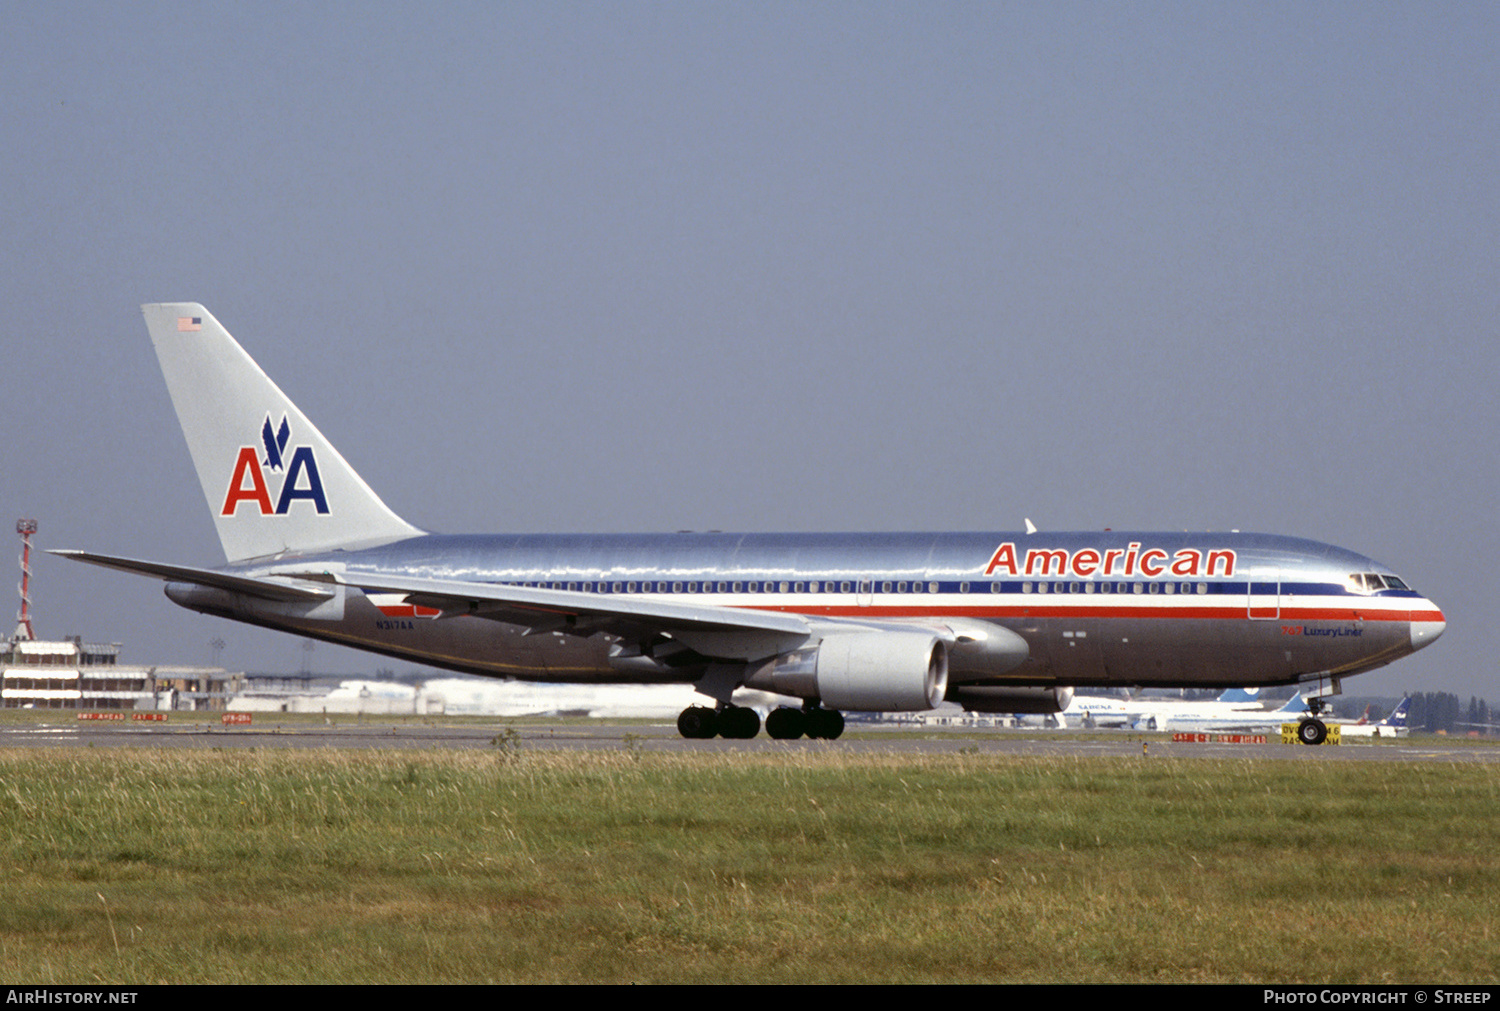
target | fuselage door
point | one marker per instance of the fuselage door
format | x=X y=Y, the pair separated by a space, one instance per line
x=1264 y=598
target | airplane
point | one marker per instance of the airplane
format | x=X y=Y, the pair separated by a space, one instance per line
x=1092 y=711
x=1394 y=725
x=1144 y=713
x=1294 y=710
x=477 y=696
x=874 y=622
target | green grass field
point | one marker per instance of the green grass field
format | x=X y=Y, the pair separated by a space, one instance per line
x=134 y=866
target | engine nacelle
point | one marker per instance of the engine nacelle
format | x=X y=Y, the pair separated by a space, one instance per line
x=871 y=671
x=1010 y=699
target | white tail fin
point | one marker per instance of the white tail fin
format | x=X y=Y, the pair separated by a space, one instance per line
x=273 y=483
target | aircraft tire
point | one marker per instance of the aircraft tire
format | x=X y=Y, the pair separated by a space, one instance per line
x=738 y=723
x=698 y=723
x=786 y=724
x=824 y=724
x=1312 y=732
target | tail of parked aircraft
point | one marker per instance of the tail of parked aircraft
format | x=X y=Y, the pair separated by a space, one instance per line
x=1397 y=718
x=1294 y=706
x=1246 y=695
x=273 y=483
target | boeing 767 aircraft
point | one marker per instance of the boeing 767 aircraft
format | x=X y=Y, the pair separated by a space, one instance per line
x=997 y=622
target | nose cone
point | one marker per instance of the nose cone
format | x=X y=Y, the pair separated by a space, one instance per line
x=1427 y=624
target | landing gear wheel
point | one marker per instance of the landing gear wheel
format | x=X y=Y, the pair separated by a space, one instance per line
x=826 y=724
x=738 y=723
x=1312 y=732
x=698 y=723
x=786 y=724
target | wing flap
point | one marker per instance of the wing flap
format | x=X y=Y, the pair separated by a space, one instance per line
x=725 y=632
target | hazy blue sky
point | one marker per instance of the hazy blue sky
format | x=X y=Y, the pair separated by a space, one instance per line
x=549 y=267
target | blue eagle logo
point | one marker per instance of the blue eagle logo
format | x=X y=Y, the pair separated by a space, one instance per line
x=274 y=443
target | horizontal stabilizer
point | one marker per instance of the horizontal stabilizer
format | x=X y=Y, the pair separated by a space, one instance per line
x=251 y=586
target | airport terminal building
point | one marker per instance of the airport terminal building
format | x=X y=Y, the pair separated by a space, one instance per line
x=72 y=674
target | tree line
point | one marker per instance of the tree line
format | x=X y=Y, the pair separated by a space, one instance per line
x=1432 y=712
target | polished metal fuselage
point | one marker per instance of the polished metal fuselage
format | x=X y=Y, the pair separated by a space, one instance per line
x=1108 y=608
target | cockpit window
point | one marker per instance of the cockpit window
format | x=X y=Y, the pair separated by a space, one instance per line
x=1373 y=582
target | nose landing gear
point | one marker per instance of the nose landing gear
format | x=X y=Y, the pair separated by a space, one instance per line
x=1312 y=730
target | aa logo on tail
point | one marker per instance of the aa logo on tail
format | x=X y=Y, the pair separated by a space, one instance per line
x=300 y=479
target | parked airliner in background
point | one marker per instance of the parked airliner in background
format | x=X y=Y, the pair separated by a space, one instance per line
x=1144 y=713
x=1294 y=710
x=877 y=622
x=1394 y=725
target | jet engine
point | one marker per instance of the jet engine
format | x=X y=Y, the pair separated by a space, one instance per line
x=1010 y=699
x=889 y=671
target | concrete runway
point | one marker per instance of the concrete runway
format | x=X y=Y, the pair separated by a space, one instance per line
x=583 y=735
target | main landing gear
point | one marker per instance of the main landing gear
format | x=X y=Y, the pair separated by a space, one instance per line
x=788 y=724
x=742 y=723
x=732 y=722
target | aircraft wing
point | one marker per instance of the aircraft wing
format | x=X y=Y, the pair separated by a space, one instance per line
x=721 y=632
